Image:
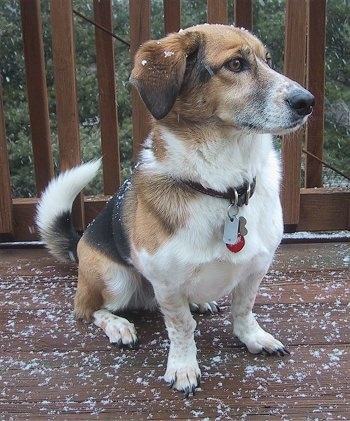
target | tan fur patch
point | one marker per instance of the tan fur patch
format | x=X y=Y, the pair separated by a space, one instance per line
x=222 y=42
x=89 y=295
x=148 y=231
x=158 y=147
x=155 y=208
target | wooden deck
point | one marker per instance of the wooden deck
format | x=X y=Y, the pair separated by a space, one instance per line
x=55 y=368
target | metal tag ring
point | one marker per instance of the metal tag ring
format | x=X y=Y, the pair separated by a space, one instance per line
x=235 y=201
x=234 y=208
x=247 y=197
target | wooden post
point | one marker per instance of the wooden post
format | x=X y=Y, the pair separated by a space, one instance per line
x=217 y=11
x=66 y=97
x=140 y=14
x=294 y=66
x=172 y=15
x=107 y=96
x=316 y=84
x=37 y=92
x=243 y=14
x=6 y=219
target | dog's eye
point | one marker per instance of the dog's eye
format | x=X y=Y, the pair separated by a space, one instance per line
x=235 y=65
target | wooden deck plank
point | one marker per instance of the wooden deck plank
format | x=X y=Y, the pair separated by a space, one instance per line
x=38 y=104
x=107 y=95
x=63 y=54
x=243 y=14
x=53 y=367
x=294 y=68
x=6 y=217
x=140 y=31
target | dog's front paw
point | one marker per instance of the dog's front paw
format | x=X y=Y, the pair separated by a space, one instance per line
x=259 y=341
x=185 y=378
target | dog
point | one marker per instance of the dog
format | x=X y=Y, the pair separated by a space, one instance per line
x=200 y=216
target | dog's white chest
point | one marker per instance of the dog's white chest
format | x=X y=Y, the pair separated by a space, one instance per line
x=211 y=281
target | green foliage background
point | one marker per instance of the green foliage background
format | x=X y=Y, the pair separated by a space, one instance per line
x=268 y=25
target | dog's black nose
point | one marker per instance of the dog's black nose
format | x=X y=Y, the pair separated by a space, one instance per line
x=301 y=101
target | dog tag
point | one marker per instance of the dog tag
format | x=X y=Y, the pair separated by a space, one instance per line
x=234 y=230
x=239 y=244
x=242 y=228
x=231 y=230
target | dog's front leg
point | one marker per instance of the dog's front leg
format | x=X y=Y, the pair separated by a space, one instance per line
x=182 y=370
x=245 y=327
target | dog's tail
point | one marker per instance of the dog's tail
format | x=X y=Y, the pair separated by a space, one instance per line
x=53 y=217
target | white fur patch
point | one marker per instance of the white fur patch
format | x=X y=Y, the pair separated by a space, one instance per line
x=61 y=192
x=119 y=330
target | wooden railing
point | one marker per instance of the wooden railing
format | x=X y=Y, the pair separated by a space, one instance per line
x=304 y=209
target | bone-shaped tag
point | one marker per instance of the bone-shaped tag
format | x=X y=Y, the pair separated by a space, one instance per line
x=242 y=228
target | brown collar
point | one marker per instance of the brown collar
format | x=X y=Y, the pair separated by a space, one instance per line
x=238 y=196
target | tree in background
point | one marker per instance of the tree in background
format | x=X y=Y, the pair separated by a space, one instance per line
x=268 y=25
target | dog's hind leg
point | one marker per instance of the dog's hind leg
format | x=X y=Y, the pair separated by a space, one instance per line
x=245 y=326
x=105 y=287
x=118 y=329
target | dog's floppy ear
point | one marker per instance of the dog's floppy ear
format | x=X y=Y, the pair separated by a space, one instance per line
x=159 y=70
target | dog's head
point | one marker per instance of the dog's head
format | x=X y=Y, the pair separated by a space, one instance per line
x=218 y=73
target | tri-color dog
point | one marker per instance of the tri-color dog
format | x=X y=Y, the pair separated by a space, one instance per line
x=200 y=216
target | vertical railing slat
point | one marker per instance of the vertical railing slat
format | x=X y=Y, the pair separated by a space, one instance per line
x=6 y=219
x=243 y=14
x=140 y=31
x=294 y=67
x=217 y=11
x=172 y=15
x=107 y=96
x=66 y=93
x=37 y=92
x=316 y=84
